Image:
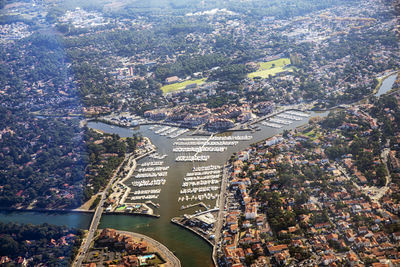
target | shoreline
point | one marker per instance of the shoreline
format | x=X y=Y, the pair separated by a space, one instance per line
x=176 y=222
x=77 y=211
x=46 y=210
x=382 y=79
x=131 y=214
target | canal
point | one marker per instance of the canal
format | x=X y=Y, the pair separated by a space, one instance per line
x=387 y=85
x=189 y=248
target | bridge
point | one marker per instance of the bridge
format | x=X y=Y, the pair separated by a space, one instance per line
x=95 y=221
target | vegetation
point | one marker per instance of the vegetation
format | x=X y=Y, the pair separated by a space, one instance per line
x=54 y=162
x=271 y=68
x=181 y=85
x=42 y=244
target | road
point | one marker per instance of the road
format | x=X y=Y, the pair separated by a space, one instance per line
x=95 y=221
x=221 y=213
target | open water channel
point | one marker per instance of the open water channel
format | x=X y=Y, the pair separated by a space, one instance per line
x=189 y=248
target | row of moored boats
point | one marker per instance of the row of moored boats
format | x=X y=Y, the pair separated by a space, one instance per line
x=285 y=118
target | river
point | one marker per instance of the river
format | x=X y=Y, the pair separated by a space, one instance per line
x=189 y=248
x=387 y=85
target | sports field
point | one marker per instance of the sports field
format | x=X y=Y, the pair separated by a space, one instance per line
x=271 y=68
x=179 y=86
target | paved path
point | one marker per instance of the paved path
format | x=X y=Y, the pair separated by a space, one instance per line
x=221 y=213
x=166 y=254
x=95 y=221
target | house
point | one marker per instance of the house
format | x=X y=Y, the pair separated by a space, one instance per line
x=281 y=257
x=276 y=249
x=396 y=236
x=328 y=259
x=251 y=212
x=172 y=79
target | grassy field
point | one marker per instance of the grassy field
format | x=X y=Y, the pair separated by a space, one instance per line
x=179 y=86
x=271 y=68
x=312 y=135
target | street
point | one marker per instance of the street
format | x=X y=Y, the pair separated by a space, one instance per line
x=95 y=221
x=221 y=213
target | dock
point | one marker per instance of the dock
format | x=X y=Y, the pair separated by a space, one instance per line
x=201 y=204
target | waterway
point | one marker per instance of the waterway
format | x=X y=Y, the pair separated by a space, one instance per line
x=76 y=220
x=189 y=248
x=387 y=85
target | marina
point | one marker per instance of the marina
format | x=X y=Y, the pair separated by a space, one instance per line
x=147 y=192
x=280 y=121
x=154 y=169
x=271 y=124
x=196 y=190
x=201 y=184
x=170 y=132
x=200 y=197
x=183 y=242
x=148 y=183
x=148 y=180
x=210 y=143
x=298 y=113
x=203 y=173
x=217 y=138
x=198 y=178
x=201 y=158
x=284 y=118
x=152 y=163
x=289 y=117
x=157 y=156
x=151 y=174
x=207 y=168
x=178 y=133
x=198 y=149
x=145 y=197
x=163 y=129
x=178 y=173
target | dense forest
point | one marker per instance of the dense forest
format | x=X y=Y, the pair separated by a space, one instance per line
x=54 y=162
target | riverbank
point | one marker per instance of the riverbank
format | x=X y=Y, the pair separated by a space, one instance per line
x=178 y=221
x=189 y=245
x=131 y=213
x=48 y=210
x=381 y=80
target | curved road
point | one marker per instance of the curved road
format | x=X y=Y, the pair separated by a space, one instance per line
x=172 y=260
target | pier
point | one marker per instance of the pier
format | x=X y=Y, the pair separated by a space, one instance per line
x=192 y=158
x=201 y=204
x=201 y=184
x=170 y=131
x=287 y=110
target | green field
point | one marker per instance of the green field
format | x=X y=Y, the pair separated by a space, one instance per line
x=271 y=68
x=179 y=86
